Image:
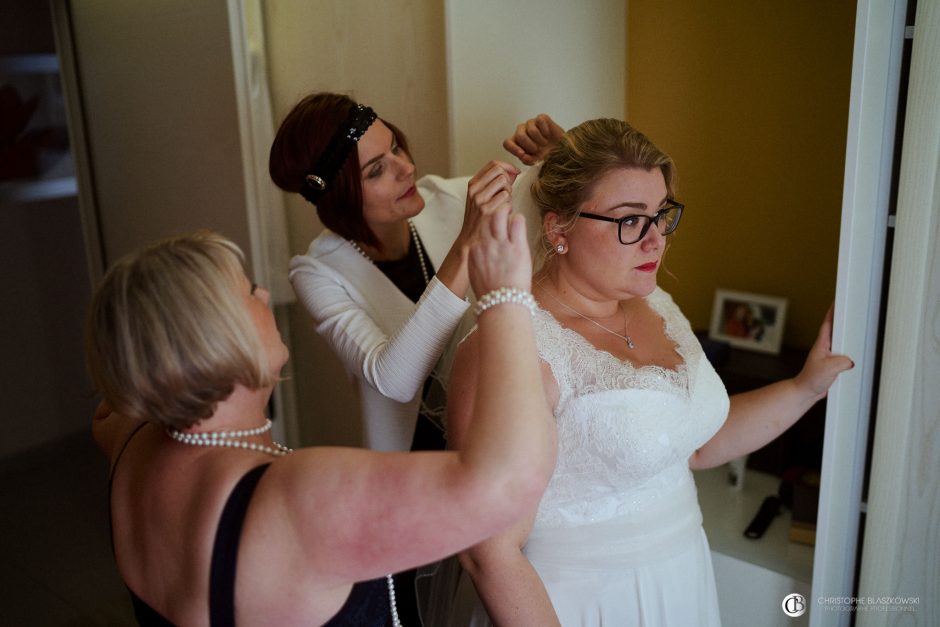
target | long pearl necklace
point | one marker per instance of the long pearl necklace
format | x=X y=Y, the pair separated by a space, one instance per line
x=228 y=439
x=396 y=622
x=417 y=243
x=626 y=338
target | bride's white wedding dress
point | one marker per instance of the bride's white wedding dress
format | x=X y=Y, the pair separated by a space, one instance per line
x=618 y=536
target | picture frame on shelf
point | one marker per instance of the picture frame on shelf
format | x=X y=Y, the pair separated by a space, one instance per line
x=749 y=321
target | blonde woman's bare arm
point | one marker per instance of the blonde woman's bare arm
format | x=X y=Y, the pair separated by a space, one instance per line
x=359 y=514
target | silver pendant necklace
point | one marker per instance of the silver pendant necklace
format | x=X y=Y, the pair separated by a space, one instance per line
x=626 y=338
x=417 y=244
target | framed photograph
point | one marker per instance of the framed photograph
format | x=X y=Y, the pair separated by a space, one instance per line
x=751 y=321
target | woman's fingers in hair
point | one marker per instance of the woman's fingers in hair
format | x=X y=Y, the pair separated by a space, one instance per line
x=488 y=190
x=495 y=177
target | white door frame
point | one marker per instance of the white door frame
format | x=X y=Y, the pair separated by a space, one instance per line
x=876 y=65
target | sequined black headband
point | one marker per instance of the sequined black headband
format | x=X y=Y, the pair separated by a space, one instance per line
x=360 y=118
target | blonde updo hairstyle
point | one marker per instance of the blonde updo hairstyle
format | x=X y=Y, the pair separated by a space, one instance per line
x=582 y=157
x=168 y=334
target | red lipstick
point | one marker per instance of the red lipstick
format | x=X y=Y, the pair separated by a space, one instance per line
x=648 y=267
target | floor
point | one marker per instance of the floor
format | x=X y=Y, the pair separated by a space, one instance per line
x=56 y=568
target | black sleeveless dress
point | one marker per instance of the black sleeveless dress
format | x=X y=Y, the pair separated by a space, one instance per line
x=366 y=606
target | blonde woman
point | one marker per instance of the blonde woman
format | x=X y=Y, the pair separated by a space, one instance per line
x=617 y=538
x=213 y=521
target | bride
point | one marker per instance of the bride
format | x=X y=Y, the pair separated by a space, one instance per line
x=617 y=538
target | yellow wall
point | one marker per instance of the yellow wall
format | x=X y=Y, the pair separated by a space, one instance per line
x=751 y=101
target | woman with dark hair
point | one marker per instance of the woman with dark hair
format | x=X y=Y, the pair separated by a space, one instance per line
x=215 y=523
x=386 y=282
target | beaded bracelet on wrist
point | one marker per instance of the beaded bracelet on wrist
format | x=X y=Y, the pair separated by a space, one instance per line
x=505 y=295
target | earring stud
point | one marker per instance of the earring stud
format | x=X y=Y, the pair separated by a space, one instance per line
x=560 y=249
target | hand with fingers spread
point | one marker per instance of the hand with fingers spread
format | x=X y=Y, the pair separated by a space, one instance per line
x=533 y=139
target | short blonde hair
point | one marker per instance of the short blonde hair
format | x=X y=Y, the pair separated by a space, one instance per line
x=584 y=155
x=168 y=335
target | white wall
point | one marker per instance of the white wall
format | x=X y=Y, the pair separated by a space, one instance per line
x=508 y=61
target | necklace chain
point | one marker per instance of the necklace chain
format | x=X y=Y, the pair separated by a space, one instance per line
x=625 y=337
x=417 y=243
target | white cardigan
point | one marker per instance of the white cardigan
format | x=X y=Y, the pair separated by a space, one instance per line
x=388 y=344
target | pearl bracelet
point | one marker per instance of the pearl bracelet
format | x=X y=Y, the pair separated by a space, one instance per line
x=505 y=295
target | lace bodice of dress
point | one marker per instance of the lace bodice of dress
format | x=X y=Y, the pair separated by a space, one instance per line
x=624 y=433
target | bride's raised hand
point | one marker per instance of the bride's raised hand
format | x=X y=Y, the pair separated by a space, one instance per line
x=822 y=366
x=533 y=139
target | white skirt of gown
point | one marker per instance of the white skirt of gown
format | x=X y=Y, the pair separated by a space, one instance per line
x=651 y=571
x=617 y=539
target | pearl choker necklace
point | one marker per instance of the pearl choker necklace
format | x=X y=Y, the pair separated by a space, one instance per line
x=229 y=439
x=417 y=243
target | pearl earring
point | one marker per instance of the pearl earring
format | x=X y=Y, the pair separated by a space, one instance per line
x=560 y=249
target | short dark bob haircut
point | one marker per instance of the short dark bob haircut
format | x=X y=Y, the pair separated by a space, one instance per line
x=298 y=145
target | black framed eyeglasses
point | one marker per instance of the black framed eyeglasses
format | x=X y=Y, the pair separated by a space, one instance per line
x=631 y=229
